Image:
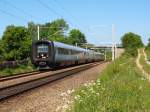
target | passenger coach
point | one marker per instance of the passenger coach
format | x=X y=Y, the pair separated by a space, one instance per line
x=54 y=54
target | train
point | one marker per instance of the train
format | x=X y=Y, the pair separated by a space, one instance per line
x=51 y=54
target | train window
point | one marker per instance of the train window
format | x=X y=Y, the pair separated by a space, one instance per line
x=42 y=48
x=63 y=51
x=60 y=51
x=72 y=52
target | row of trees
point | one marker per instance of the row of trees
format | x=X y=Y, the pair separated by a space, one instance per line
x=16 y=40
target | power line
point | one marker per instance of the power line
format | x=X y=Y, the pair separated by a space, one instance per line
x=52 y=10
x=49 y=8
x=65 y=10
x=12 y=15
x=18 y=9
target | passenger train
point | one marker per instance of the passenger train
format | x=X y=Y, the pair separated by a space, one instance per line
x=50 y=54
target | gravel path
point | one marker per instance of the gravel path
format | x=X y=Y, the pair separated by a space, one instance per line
x=145 y=74
x=50 y=97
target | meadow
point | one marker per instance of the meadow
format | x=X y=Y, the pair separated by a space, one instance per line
x=120 y=88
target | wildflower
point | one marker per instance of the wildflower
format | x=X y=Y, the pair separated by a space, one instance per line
x=69 y=92
x=63 y=94
x=77 y=97
x=97 y=94
x=140 y=88
x=142 y=79
x=58 y=109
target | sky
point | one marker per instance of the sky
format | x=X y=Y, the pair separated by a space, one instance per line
x=93 y=17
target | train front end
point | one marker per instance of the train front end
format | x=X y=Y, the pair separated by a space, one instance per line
x=42 y=54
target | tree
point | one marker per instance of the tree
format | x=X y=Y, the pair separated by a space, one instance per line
x=76 y=36
x=16 y=43
x=131 y=42
x=32 y=29
x=1 y=51
x=54 y=30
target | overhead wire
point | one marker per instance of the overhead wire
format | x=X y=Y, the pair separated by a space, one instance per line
x=18 y=9
x=48 y=7
x=53 y=11
x=65 y=10
x=12 y=15
x=69 y=13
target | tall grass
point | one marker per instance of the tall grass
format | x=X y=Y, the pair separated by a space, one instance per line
x=20 y=69
x=145 y=66
x=120 y=88
x=147 y=51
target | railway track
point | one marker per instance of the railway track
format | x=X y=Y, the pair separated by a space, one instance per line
x=15 y=85
x=4 y=78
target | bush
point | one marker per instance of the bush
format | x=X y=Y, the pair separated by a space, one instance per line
x=132 y=51
x=131 y=42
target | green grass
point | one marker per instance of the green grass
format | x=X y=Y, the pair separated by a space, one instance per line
x=147 y=51
x=120 y=88
x=146 y=66
x=20 y=69
x=108 y=55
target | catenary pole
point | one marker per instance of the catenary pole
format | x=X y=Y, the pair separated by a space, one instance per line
x=113 y=43
x=38 y=29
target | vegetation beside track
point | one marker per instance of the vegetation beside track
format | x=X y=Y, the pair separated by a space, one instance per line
x=120 y=88
x=145 y=66
x=147 y=51
x=20 y=69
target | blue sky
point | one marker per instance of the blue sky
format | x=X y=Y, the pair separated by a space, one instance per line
x=92 y=17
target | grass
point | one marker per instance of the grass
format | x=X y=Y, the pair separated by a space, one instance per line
x=146 y=66
x=120 y=88
x=108 y=55
x=20 y=69
x=147 y=51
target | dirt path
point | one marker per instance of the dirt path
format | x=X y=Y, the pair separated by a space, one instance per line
x=145 y=74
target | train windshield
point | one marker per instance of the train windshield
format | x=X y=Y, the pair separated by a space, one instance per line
x=42 y=48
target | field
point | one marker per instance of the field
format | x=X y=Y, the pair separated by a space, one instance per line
x=120 y=88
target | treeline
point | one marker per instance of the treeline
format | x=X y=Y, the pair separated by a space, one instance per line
x=15 y=43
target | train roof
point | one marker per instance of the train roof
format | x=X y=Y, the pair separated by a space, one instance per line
x=62 y=45
x=66 y=46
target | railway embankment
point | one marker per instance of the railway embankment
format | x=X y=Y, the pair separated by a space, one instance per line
x=120 y=88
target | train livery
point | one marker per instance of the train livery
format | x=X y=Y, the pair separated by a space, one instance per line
x=55 y=54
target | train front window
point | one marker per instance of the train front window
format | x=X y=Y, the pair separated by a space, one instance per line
x=42 y=51
x=42 y=48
